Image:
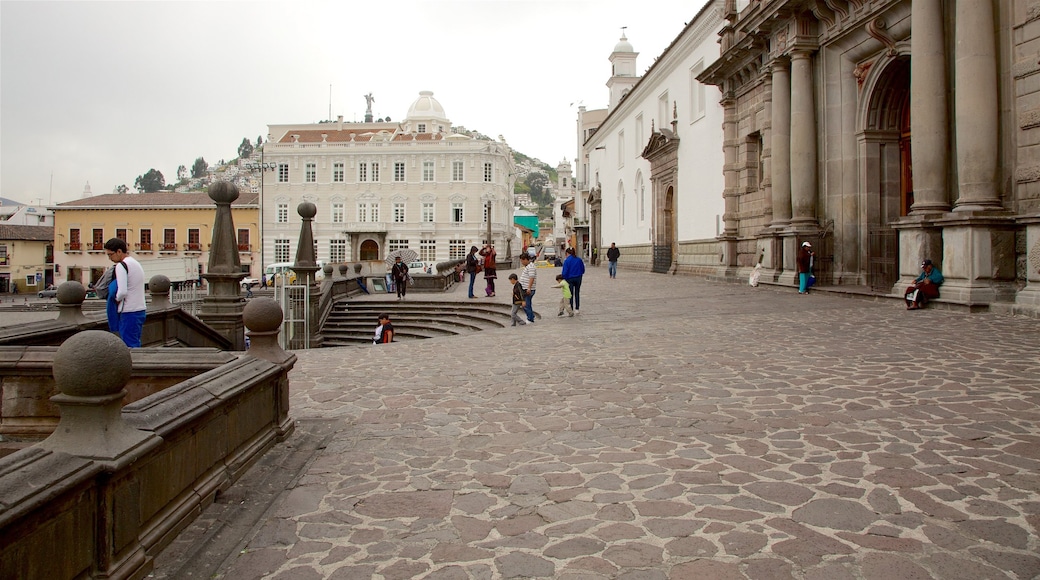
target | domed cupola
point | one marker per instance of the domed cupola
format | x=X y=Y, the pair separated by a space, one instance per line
x=622 y=70
x=426 y=115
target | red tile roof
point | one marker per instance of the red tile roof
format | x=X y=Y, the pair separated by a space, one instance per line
x=26 y=233
x=168 y=199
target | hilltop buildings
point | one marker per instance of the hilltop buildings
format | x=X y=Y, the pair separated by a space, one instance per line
x=380 y=186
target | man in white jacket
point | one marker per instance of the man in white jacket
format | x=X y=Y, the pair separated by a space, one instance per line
x=130 y=292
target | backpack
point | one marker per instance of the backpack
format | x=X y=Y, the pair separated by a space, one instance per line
x=101 y=286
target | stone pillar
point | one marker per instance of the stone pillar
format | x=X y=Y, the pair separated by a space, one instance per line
x=1027 y=300
x=222 y=306
x=929 y=137
x=305 y=266
x=731 y=182
x=781 y=145
x=976 y=107
x=803 y=142
x=263 y=317
x=70 y=297
x=91 y=370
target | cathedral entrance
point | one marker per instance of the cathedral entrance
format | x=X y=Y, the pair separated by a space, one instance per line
x=665 y=247
x=888 y=183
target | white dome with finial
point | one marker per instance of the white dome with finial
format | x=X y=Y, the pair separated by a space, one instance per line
x=623 y=45
x=428 y=111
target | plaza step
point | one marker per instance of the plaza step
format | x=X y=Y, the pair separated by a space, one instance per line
x=353 y=322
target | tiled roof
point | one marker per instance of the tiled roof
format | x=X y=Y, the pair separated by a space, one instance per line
x=169 y=199
x=26 y=233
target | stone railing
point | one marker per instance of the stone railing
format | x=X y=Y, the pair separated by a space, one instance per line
x=113 y=485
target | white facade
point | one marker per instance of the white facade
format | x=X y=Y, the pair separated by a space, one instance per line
x=17 y=213
x=383 y=186
x=668 y=97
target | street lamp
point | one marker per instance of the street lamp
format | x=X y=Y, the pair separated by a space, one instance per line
x=263 y=168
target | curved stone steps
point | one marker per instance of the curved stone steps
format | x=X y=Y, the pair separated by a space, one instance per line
x=352 y=323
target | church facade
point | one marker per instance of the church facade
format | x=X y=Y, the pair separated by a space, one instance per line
x=380 y=186
x=885 y=132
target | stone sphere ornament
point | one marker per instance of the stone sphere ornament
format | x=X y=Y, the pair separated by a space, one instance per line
x=159 y=284
x=307 y=210
x=223 y=191
x=71 y=292
x=262 y=315
x=92 y=363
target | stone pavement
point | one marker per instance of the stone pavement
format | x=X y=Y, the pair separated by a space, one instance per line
x=675 y=429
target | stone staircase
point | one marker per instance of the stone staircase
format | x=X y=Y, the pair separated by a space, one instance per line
x=354 y=322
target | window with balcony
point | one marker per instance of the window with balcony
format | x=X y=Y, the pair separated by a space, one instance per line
x=243 y=240
x=337 y=213
x=456 y=212
x=398 y=171
x=145 y=244
x=427 y=212
x=368 y=212
x=121 y=233
x=457 y=171
x=97 y=240
x=194 y=241
x=169 y=240
x=3 y=255
x=74 y=241
x=398 y=212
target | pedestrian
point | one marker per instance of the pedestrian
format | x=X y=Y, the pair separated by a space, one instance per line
x=490 y=268
x=565 y=300
x=472 y=268
x=518 y=301
x=105 y=289
x=925 y=287
x=263 y=280
x=528 y=277
x=399 y=272
x=385 y=331
x=612 y=255
x=573 y=270
x=129 y=292
x=804 y=259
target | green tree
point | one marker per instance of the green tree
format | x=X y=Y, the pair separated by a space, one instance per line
x=151 y=181
x=200 y=168
x=121 y=189
x=245 y=149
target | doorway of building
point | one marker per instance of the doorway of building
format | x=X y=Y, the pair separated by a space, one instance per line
x=665 y=246
x=369 y=251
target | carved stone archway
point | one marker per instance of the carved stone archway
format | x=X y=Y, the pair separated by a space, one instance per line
x=662 y=151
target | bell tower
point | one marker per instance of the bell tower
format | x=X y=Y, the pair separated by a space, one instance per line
x=623 y=70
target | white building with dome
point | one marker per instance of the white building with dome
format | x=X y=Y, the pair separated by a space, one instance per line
x=381 y=186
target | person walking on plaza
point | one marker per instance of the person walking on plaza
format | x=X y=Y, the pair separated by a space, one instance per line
x=129 y=292
x=925 y=287
x=528 y=277
x=490 y=268
x=612 y=255
x=573 y=270
x=804 y=259
x=399 y=272
x=385 y=331
x=565 y=300
x=518 y=301
x=472 y=268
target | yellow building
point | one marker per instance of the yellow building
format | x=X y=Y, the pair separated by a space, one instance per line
x=26 y=258
x=155 y=226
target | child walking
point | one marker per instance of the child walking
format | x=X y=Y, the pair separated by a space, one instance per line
x=565 y=302
x=518 y=301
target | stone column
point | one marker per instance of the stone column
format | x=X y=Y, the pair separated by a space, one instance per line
x=803 y=142
x=929 y=138
x=305 y=267
x=731 y=183
x=781 y=145
x=222 y=306
x=976 y=106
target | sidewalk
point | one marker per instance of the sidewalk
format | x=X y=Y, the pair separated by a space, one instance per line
x=675 y=429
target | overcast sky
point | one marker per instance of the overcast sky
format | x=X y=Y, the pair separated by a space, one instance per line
x=104 y=91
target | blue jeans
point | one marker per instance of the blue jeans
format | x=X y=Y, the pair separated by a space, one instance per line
x=472 y=278
x=575 y=284
x=612 y=267
x=528 y=309
x=130 y=325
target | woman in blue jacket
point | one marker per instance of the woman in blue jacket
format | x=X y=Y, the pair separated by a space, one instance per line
x=573 y=270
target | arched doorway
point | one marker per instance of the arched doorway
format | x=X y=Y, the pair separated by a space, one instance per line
x=369 y=251
x=887 y=192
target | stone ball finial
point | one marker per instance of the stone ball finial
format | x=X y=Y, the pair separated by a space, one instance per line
x=71 y=292
x=159 y=284
x=307 y=210
x=327 y=268
x=223 y=191
x=342 y=269
x=262 y=315
x=92 y=363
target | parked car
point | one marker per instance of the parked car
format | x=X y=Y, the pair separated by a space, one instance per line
x=48 y=292
x=420 y=268
x=249 y=283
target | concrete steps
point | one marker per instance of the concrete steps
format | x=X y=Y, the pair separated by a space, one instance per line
x=354 y=322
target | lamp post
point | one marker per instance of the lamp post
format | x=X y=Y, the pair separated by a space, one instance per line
x=263 y=168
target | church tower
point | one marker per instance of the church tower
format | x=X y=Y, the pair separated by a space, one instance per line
x=623 y=70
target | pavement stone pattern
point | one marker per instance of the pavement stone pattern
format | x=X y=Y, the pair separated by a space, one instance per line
x=675 y=429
